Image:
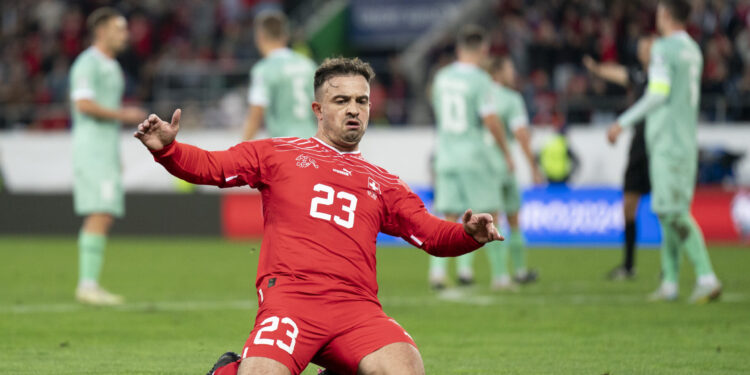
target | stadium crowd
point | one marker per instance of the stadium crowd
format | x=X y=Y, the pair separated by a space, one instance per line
x=547 y=40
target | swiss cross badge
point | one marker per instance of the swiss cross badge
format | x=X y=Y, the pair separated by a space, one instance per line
x=373 y=185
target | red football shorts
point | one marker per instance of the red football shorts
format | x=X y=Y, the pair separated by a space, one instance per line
x=298 y=323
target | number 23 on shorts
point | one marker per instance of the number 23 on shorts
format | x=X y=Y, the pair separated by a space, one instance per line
x=270 y=327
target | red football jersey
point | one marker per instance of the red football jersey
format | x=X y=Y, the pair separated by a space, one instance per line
x=322 y=208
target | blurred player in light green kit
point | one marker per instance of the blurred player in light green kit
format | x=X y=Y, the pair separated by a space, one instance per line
x=281 y=84
x=511 y=110
x=96 y=88
x=670 y=106
x=462 y=95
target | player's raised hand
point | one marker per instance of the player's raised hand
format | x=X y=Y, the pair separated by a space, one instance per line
x=481 y=227
x=156 y=133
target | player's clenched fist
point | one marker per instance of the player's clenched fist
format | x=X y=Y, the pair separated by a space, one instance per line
x=481 y=227
x=156 y=133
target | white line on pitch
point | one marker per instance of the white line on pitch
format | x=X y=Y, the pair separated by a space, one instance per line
x=449 y=296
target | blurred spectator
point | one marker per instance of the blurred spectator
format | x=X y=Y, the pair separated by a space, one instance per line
x=546 y=40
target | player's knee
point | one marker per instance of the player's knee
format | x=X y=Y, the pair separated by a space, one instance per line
x=98 y=223
x=398 y=358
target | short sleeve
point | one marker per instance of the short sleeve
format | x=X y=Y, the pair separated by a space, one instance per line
x=82 y=81
x=518 y=118
x=259 y=93
x=659 y=78
x=486 y=99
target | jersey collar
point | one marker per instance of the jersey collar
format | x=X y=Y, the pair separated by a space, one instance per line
x=280 y=52
x=465 y=65
x=101 y=54
x=334 y=148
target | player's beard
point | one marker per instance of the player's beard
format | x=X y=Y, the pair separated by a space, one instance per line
x=353 y=136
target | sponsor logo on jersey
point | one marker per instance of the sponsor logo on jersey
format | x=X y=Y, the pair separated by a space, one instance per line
x=343 y=171
x=304 y=161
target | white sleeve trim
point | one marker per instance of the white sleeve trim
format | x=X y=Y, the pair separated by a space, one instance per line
x=257 y=96
x=82 y=93
x=520 y=121
x=487 y=109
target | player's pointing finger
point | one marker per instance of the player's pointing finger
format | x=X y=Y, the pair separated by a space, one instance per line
x=176 y=117
x=467 y=216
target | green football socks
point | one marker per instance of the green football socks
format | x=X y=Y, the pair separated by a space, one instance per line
x=465 y=265
x=681 y=232
x=497 y=254
x=517 y=251
x=90 y=256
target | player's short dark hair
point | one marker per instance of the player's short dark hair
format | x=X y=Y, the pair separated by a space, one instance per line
x=100 y=17
x=342 y=66
x=471 y=37
x=273 y=24
x=678 y=9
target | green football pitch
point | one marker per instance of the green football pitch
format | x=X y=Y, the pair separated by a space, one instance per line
x=191 y=299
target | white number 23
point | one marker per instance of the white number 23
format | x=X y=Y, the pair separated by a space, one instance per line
x=328 y=200
x=271 y=324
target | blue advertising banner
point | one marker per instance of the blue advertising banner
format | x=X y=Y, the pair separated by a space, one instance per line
x=394 y=23
x=567 y=217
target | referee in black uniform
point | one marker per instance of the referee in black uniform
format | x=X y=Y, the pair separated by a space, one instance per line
x=637 y=180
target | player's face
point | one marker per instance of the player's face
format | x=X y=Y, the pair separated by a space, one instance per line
x=508 y=74
x=343 y=110
x=115 y=34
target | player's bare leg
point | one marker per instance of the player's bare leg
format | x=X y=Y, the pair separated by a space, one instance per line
x=521 y=274
x=98 y=223
x=438 y=266
x=630 y=209
x=398 y=358
x=262 y=366
x=92 y=242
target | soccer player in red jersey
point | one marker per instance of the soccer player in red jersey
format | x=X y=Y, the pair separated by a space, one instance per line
x=323 y=206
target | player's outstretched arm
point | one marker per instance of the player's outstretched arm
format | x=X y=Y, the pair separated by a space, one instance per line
x=611 y=72
x=408 y=218
x=156 y=133
x=236 y=166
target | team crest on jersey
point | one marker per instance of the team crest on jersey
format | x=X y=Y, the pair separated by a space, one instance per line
x=304 y=161
x=373 y=185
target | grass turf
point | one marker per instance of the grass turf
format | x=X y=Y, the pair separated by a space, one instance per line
x=191 y=299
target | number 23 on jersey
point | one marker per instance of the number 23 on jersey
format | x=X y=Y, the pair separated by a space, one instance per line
x=320 y=204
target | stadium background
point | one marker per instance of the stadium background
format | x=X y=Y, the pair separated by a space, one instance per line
x=196 y=55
